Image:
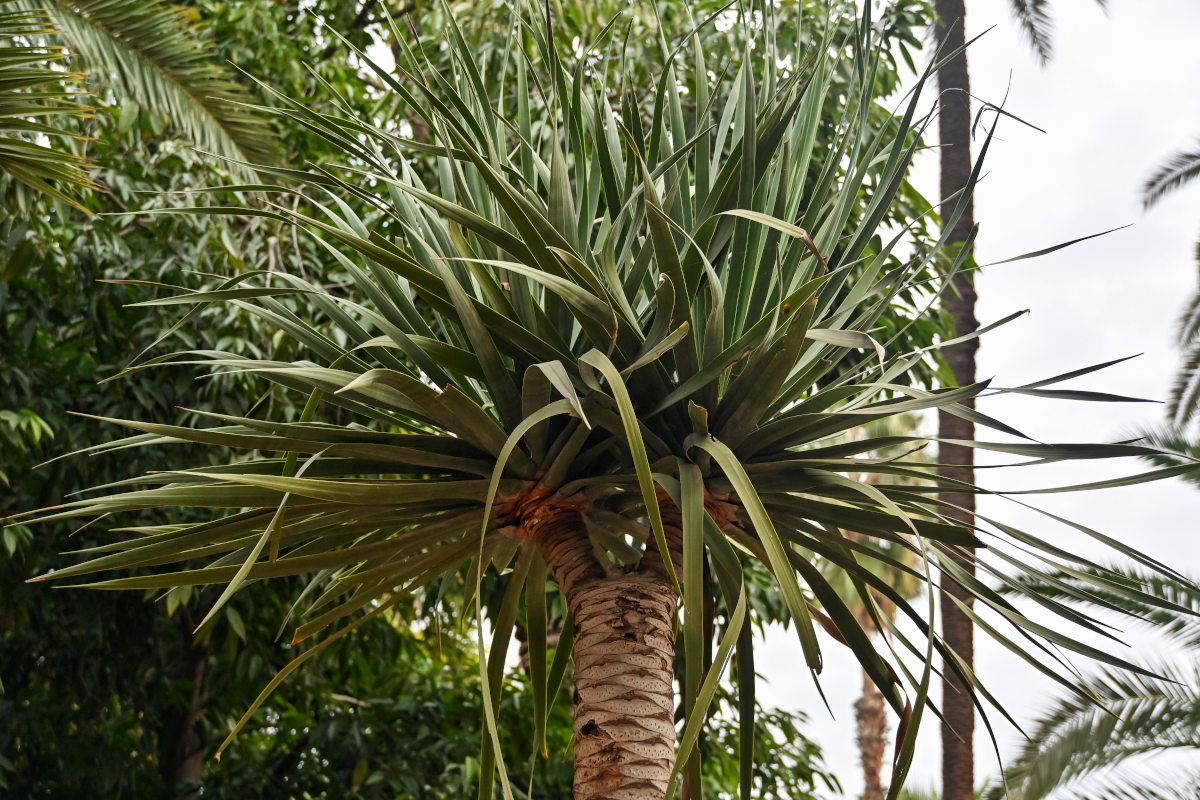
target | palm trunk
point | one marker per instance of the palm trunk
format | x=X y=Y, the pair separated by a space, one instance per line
x=954 y=121
x=624 y=648
x=870 y=715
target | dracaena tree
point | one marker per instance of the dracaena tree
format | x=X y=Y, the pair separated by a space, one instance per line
x=602 y=354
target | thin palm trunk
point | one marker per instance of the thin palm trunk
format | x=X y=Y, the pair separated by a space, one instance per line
x=954 y=121
x=870 y=714
x=624 y=648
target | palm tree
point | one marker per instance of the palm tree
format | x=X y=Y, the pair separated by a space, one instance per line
x=958 y=303
x=33 y=92
x=870 y=710
x=1183 y=403
x=603 y=355
x=1079 y=750
x=1177 y=435
x=156 y=56
x=151 y=53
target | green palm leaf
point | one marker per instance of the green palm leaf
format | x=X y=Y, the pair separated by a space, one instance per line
x=1079 y=750
x=1183 y=400
x=1168 y=607
x=1037 y=24
x=34 y=94
x=1179 y=169
x=1176 y=445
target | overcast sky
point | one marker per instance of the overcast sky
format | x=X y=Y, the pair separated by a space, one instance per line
x=1119 y=97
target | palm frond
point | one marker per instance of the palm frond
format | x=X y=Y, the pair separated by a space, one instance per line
x=1074 y=742
x=1180 y=168
x=153 y=54
x=1168 y=607
x=1145 y=783
x=1183 y=400
x=1036 y=23
x=1176 y=445
x=34 y=93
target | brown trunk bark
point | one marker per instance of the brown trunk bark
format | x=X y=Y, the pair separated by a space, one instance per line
x=624 y=695
x=954 y=121
x=624 y=648
x=180 y=752
x=870 y=714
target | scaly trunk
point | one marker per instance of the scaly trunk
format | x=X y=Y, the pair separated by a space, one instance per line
x=954 y=121
x=624 y=700
x=624 y=696
x=871 y=717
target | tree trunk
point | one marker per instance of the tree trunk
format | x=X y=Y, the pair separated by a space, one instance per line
x=870 y=715
x=180 y=751
x=954 y=122
x=624 y=649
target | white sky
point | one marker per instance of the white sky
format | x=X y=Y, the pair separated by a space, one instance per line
x=1119 y=97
